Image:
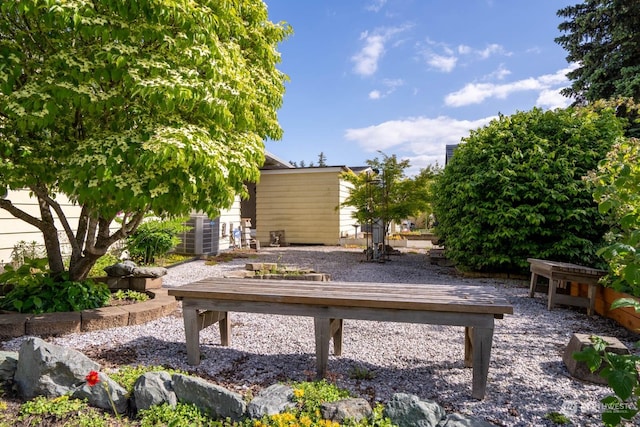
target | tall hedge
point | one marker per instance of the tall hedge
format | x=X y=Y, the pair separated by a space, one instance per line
x=514 y=189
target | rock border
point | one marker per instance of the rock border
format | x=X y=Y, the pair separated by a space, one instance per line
x=13 y=325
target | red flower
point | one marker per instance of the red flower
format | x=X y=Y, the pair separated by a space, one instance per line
x=92 y=378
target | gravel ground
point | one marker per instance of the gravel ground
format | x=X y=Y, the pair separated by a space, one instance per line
x=527 y=378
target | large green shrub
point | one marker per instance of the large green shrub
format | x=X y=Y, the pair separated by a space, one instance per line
x=617 y=190
x=155 y=238
x=514 y=190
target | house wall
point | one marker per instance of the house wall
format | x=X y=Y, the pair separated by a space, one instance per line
x=302 y=203
x=13 y=230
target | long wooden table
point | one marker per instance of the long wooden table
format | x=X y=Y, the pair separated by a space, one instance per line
x=475 y=307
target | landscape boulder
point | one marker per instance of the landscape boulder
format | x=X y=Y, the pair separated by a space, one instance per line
x=270 y=401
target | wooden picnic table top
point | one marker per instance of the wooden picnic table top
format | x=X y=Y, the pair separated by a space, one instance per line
x=566 y=267
x=402 y=296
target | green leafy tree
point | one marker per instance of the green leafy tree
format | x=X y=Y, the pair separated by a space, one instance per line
x=130 y=107
x=385 y=191
x=322 y=160
x=616 y=185
x=514 y=189
x=602 y=37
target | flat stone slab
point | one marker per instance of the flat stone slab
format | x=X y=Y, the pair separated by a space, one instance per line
x=13 y=325
x=580 y=370
x=103 y=318
x=48 y=324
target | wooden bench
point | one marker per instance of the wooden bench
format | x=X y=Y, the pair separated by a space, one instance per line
x=561 y=273
x=474 y=307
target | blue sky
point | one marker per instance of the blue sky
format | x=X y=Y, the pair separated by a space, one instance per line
x=407 y=77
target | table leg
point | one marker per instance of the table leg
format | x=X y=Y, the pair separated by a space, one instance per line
x=482 y=339
x=191 y=335
x=534 y=283
x=322 y=328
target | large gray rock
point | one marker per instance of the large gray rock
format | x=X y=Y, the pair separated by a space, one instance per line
x=347 y=409
x=208 y=397
x=120 y=269
x=8 y=365
x=50 y=370
x=149 y=272
x=407 y=410
x=272 y=400
x=106 y=394
x=580 y=370
x=154 y=388
x=458 y=420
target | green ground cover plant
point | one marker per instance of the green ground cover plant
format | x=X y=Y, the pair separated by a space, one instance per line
x=65 y=411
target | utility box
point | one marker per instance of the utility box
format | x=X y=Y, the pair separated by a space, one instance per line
x=203 y=237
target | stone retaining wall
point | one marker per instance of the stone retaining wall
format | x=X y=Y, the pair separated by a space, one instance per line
x=14 y=325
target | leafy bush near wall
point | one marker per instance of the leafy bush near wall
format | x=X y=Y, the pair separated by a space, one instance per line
x=155 y=238
x=617 y=190
x=514 y=190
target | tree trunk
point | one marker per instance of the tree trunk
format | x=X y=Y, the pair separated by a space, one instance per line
x=51 y=240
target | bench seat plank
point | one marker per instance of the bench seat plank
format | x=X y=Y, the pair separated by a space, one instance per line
x=461 y=298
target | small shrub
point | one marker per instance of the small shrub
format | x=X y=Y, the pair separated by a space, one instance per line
x=128 y=294
x=34 y=290
x=154 y=238
x=557 y=418
x=126 y=376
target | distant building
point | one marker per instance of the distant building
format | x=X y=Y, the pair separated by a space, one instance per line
x=450 y=148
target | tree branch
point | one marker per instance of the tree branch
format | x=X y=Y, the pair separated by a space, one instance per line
x=43 y=194
x=8 y=206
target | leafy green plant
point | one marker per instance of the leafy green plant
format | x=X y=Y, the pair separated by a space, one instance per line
x=129 y=294
x=621 y=373
x=182 y=415
x=557 y=418
x=23 y=251
x=154 y=238
x=127 y=375
x=617 y=190
x=34 y=290
x=514 y=190
x=361 y=373
x=104 y=261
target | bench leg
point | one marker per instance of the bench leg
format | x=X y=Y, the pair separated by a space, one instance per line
x=225 y=329
x=534 y=283
x=322 y=328
x=553 y=285
x=468 y=347
x=591 y=293
x=336 y=335
x=192 y=334
x=481 y=339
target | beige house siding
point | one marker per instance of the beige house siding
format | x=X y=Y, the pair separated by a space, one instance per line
x=13 y=230
x=304 y=202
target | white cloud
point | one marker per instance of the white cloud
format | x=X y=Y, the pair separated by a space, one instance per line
x=422 y=139
x=552 y=99
x=375 y=5
x=366 y=60
x=390 y=86
x=476 y=93
x=375 y=94
x=445 y=64
x=498 y=74
x=442 y=57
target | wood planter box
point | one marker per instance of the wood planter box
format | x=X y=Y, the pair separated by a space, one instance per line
x=626 y=317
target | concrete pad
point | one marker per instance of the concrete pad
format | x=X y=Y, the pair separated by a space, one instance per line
x=54 y=324
x=103 y=318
